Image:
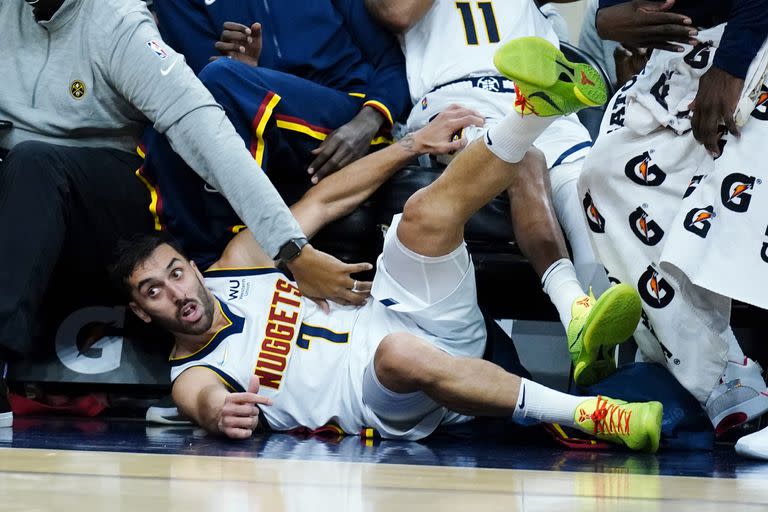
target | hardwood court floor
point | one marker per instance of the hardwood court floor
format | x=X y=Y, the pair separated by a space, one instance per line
x=121 y=466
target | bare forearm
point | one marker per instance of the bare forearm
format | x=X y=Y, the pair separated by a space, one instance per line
x=243 y=251
x=340 y=193
x=398 y=15
x=204 y=406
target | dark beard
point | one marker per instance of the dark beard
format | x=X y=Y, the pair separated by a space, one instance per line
x=177 y=326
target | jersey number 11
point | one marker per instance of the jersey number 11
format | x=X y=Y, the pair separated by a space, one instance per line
x=465 y=8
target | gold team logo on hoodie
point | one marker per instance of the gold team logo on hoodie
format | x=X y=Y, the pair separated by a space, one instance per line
x=77 y=89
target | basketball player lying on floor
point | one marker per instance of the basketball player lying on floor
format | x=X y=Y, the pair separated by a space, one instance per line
x=248 y=344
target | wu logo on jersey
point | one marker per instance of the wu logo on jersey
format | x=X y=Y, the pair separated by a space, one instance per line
x=761 y=109
x=594 y=219
x=238 y=289
x=699 y=220
x=654 y=290
x=643 y=171
x=693 y=184
x=735 y=191
x=645 y=228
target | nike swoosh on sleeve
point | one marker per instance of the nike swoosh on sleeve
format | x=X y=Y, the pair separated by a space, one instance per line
x=167 y=70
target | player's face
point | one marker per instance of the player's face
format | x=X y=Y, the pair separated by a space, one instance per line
x=168 y=290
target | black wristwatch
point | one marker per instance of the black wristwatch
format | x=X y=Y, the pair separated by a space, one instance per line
x=290 y=250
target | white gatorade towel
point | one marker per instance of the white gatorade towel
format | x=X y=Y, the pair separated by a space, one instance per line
x=689 y=231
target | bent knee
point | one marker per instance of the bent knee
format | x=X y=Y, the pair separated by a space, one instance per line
x=427 y=216
x=31 y=162
x=399 y=362
x=218 y=71
x=219 y=75
x=32 y=151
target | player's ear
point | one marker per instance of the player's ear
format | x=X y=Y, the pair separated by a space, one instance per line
x=139 y=312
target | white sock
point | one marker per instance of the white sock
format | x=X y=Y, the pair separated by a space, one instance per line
x=560 y=283
x=537 y=403
x=513 y=136
x=570 y=214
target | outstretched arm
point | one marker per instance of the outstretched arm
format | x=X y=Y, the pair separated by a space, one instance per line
x=201 y=395
x=398 y=15
x=155 y=80
x=339 y=194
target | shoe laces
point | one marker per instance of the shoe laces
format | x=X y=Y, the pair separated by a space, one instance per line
x=522 y=101
x=608 y=417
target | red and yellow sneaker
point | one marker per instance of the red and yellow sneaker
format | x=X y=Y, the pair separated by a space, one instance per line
x=635 y=425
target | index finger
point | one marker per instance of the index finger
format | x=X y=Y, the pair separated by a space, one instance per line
x=326 y=150
x=664 y=18
x=467 y=120
x=354 y=268
x=249 y=398
x=231 y=25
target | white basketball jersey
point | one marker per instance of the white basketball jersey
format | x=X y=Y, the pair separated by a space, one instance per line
x=301 y=355
x=456 y=39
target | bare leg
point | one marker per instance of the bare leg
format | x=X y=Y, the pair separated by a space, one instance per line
x=405 y=363
x=434 y=217
x=537 y=230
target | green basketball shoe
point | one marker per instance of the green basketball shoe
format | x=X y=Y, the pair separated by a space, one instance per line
x=548 y=84
x=596 y=327
x=635 y=425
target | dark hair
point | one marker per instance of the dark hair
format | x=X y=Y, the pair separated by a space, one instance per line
x=131 y=252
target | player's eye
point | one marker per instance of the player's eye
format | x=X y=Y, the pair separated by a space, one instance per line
x=153 y=291
x=177 y=273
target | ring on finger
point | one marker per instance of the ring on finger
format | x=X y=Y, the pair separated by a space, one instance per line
x=354 y=287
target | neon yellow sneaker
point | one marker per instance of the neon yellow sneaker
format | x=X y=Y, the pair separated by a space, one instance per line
x=547 y=83
x=596 y=327
x=635 y=425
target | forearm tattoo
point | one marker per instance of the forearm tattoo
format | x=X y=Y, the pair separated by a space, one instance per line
x=409 y=144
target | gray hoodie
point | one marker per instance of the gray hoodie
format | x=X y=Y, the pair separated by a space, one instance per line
x=98 y=72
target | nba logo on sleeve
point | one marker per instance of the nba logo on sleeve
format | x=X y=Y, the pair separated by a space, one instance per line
x=157 y=49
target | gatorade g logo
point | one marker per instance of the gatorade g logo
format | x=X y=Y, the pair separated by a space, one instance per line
x=735 y=191
x=761 y=109
x=660 y=89
x=695 y=181
x=764 y=251
x=699 y=220
x=594 y=219
x=90 y=340
x=655 y=291
x=643 y=172
x=644 y=228
x=698 y=57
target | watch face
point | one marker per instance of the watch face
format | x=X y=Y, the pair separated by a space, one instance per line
x=291 y=249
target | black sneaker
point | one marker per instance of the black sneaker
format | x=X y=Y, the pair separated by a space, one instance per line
x=6 y=415
x=166 y=413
